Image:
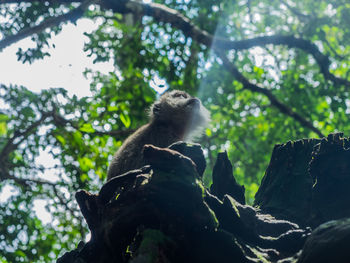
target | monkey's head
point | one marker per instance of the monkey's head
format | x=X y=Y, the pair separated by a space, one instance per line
x=180 y=110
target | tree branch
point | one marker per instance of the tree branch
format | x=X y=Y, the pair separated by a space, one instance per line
x=10 y=145
x=50 y=22
x=272 y=98
x=25 y=183
x=164 y=14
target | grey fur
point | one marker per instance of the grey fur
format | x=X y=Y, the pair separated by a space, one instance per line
x=174 y=117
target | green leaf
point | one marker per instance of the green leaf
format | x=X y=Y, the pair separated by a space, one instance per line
x=87 y=127
x=3 y=124
x=4 y=117
x=125 y=119
x=3 y=128
x=86 y=164
x=61 y=139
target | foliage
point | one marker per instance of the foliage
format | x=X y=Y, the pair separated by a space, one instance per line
x=82 y=134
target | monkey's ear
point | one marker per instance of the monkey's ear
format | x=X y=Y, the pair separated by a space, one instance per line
x=156 y=109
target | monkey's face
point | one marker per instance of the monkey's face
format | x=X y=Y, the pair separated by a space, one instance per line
x=181 y=110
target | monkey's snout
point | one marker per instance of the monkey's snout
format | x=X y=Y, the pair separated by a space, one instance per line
x=194 y=102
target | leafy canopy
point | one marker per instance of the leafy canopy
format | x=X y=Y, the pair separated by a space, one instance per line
x=268 y=71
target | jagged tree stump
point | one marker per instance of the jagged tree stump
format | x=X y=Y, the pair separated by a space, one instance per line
x=163 y=213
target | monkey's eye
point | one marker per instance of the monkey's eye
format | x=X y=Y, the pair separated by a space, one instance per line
x=180 y=95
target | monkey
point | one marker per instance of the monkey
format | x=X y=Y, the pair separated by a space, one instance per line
x=175 y=116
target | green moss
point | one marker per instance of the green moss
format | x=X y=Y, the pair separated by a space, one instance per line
x=259 y=255
x=233 y=204
x=199 y=184
x=214 y=218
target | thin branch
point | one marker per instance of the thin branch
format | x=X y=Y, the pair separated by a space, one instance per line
x=272 y=98
x=64 y=202
x=296 y=11
x=50 y=22
x=61 y=121
x=25 y=182
x=11 y=146
x=322 y=36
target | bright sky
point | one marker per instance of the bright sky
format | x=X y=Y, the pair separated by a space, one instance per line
x=62 y=69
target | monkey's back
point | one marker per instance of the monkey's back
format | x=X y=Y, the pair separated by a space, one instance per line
x=129 y=156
